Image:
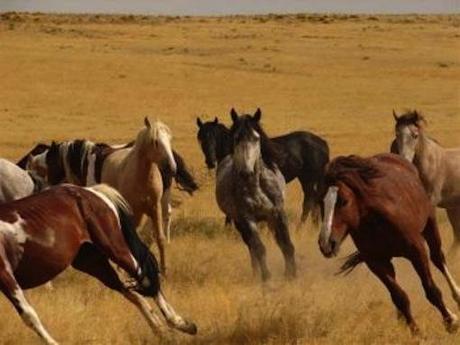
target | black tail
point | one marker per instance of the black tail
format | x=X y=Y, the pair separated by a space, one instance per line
x=317 y=183
x=149 y=278
x=351 y=261
x=183 y=177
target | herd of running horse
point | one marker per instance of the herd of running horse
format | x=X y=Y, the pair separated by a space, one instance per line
x=80 y=203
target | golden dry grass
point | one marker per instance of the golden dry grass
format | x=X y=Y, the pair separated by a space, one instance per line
x=95 y=77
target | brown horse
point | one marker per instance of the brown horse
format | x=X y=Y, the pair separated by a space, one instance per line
x=380 y=201
x=41 y=235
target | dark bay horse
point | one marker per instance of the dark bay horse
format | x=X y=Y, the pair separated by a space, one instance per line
x=250 y=189
x=438 y=167
x=304 y=156
x=41 y=235
x=380 y=201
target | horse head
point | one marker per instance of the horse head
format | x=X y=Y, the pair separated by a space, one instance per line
x=155 y=141
x=408 y=128
x=208 y=137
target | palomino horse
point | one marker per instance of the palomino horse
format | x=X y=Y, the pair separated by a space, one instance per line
x=41 y=235
x=381 y=203
x=304 y=157
x=86 y=170
x=132 y=170
x=16 y=183
x=250 y=189
x=438 y=167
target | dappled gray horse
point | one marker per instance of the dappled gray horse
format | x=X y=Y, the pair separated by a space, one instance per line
x=250 y=189
x=16 y=183
x=438 y=167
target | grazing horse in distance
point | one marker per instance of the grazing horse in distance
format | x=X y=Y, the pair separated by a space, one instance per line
x=250 y=189
x=381 y=203
x=304 y=157
x=16 y=183
x=41 y=235
x=438 y=167
x=133 y=170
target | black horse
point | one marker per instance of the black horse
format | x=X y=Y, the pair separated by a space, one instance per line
x=304 y=156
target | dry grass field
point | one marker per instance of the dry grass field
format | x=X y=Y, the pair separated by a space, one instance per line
x=95 y=77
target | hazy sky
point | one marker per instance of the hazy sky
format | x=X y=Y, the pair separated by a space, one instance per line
x=202 y=7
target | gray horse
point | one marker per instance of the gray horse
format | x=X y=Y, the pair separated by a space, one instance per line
x=16 y=183
x=250 y=189
x=439 y=168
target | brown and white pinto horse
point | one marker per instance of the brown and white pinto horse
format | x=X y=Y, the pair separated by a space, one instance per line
x=43 y=234
x=380 y=201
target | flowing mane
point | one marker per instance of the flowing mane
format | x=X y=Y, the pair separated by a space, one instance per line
x=150 y=133
x=354 y=171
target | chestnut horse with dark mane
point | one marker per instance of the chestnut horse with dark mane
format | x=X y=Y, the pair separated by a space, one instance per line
x=380 y=201
x=41 y=235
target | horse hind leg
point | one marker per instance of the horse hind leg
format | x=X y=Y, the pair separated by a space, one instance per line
x=279 y=226
x=384 y=270
x=433 y=239
x=248 y=231
x=420 y=263
x=14 y=293
x=91 y=261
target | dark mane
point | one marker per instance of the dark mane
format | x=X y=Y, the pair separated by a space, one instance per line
x=354 y=171
x=39 y=148
x=411 y=117
x=272 y=155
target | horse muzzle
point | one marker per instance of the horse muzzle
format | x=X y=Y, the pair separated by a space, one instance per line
x=329 y=248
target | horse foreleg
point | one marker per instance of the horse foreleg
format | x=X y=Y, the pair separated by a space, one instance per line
x=279 y=226
x=166 y=213
x=173 y=319
x=248 y=231
x=90 y=261
x=156 y=215
x=420 y=262
x=433 y=238
x=384 y=270
x=453 y=214
x=14 y=293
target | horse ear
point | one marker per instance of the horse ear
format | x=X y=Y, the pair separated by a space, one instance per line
x=199 y=123
x=257 y=115
x=147 y=122
x=395 y=116
x=234 y=115
x=419 y=119
x=216 y=120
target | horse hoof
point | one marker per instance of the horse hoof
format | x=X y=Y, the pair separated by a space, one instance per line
x=189 y=328
x=452 y=325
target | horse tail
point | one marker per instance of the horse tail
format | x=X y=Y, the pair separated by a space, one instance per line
x=183 y=177
x=148 y=277
x=351 y=261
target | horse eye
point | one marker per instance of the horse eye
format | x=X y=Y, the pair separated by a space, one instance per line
x=341 y=202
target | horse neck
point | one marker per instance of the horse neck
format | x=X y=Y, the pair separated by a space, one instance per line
x=428 y=159
x=142 y=160
x=223 y=146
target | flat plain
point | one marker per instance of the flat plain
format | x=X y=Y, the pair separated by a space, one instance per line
x=96 y=77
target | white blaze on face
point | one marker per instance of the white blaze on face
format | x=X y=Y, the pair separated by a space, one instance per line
x=407 y=142
x=246 y=153
x=326 y=228
x=165 y=141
